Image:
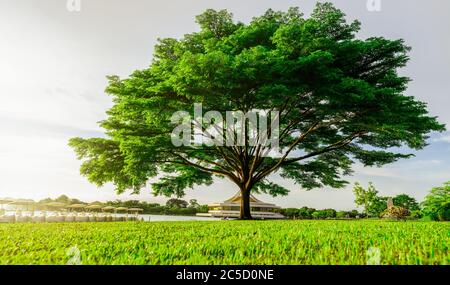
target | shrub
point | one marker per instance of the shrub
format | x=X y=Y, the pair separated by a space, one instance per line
x=417 y=214
x=395 y=212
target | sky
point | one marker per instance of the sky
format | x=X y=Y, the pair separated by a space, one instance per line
x=54 y=62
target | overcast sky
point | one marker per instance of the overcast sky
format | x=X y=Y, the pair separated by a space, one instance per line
x=53 y=64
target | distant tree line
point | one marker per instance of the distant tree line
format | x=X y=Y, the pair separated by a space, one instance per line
x=436 y=206
x=172 y=207
x=311 y=213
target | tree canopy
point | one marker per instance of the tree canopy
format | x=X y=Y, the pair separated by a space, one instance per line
x=368 y=198
x=176 y=203
x=339 y=98
x=407 y=202
x=437 y=203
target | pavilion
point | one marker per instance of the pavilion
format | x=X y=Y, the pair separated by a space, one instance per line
x=230 y=209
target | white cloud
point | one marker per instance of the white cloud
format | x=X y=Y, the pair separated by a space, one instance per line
x=445 y=138
x=375 y=171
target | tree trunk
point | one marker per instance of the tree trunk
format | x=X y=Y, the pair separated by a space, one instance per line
x=245 y=212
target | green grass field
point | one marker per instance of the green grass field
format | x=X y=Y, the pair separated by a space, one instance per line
x=226 y=242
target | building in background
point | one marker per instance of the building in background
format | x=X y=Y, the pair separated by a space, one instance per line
x=230 y=209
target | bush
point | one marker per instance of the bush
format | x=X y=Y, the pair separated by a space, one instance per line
x=426 y=219
x=417 y=214
x=395 y=212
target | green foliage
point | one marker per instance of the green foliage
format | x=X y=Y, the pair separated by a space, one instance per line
x=369 y=199
x=329 y=213
x=226 y=242
x=378 y=205
x=309 y=213
x=305 y=213
x=353 y=214
x=193 y=203
x=338 y=97
x=290 y=212
x=324 y=214
x=181 y=211
x=406 y=202
x=342 y=215
x=63 y=199
x=176 y=203
x=437 y=203
x=203 y=209
x=416 y=214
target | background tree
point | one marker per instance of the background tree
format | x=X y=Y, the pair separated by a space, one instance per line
x=63 y=199
x=176 y=203
x=203 y=209
x=406 y=202
x=330 y=213
x=76 y=201
x=437 y=203
x=290 y=212
x=318 y=215
x=305 y=212
x=342 y=215
x=340 y=100
x=378 y=205
x=353 y=214
x=193 y=203
x=46 y=200
x=367 y=198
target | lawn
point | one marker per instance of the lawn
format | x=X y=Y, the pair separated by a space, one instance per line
x=227 y=242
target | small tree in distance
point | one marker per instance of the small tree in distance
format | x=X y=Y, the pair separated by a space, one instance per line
x=367 y=198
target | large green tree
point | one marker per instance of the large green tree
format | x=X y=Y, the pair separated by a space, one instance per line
x=340 y=100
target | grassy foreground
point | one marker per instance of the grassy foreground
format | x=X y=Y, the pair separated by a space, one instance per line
x=226 y=242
